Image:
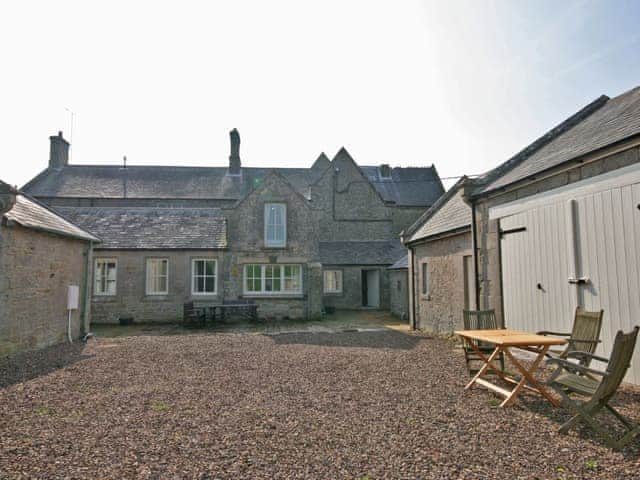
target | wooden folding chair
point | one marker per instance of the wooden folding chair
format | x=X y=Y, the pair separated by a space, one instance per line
x=584 y=336
x=479 y=320
x=571 y=378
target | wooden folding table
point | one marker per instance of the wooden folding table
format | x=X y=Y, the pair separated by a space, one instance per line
x=504 y=340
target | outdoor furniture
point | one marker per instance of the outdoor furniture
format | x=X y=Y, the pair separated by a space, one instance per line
x=584 y=336
x=243 y=308
x=479 y=320
x=193 y=316
x=599 y=392
x=504 y=340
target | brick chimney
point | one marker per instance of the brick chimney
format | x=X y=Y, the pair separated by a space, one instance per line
x=59 y=152
x=234 y=157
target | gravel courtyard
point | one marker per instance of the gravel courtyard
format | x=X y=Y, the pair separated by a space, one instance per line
x=357 y=405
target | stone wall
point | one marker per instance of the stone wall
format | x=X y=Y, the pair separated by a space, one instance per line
x=440 y=309
x=36 y=269
x=398 y=293
x=489 y=276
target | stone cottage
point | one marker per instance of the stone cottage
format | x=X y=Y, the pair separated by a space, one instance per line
x=558 y=225
x=293 y=240
x=440 y=263
x=41 y=255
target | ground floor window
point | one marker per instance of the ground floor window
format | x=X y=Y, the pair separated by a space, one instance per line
x=157 y=276
x=425 y=278
x=105 y=274
x=333 y=281
x=204 y=276
x=272 y=279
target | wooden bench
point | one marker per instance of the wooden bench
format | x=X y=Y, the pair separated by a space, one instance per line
x=193 y=316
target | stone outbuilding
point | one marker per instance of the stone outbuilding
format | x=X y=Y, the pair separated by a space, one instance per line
x=440 y=263
x=558 y=225
x=41 y=256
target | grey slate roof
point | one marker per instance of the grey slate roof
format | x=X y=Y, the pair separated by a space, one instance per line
x=383 y=252
x=153 y=228
x=29 y=213
x=449 y=214
x=408 y=186
x=603 y=122
x=400 y=264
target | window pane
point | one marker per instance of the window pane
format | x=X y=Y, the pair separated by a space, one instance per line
x=210 y=284
x=210 y=267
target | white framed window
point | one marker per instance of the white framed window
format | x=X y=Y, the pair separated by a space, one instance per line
x=275 y=224
x=105 y=275
x=157 y=276
x=270 y=279
x=204 y=276
x=333 y=281
x=425 y=278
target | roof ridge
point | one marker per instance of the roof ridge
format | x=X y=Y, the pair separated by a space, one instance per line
x=541 y=141
x=444 y=198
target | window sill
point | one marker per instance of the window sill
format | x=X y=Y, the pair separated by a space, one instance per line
x=298 y=296
x=333 y=294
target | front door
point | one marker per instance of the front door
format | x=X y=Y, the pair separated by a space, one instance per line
x=372 y=283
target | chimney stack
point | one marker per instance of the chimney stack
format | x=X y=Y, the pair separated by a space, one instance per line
x=59 y=152
x=234 y=157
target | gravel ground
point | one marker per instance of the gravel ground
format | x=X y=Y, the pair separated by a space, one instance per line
x=346 y=405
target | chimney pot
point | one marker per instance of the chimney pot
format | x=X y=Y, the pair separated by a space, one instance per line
x=58 y=152
x=234 y=157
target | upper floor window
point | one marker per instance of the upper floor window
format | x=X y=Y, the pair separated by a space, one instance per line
x=333 y=281
x=105 y=274
x=204 y=276
x=157 y=276
x=275 y=224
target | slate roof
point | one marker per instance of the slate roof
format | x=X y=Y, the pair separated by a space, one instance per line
x=408 y=186
x=449 y=214
x=383 y=252
x=29 y=213
x=400 y=264
x=153 y=228
x=601 y=123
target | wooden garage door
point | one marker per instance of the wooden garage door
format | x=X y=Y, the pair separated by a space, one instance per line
x=593 y=233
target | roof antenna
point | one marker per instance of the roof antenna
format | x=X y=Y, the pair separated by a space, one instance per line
x=73 y=114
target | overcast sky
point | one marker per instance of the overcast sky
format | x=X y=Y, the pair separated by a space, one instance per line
x=461 y=84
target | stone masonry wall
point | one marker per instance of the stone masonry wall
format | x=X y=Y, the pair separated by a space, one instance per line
x=36 y=269
x=487 y=230
x=398 y=294
x=440 y=309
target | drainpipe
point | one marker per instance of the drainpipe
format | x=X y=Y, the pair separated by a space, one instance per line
x=413 y=289
x=474 y=241
x=84 y=313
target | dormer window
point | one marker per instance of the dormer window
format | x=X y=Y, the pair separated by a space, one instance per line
x=385 y=172
x=275 y=224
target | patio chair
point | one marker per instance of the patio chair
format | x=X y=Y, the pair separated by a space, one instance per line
x=584 y=337
x=599 y=392
x=479 y=320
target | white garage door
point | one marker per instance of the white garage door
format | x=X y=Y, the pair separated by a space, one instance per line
x=590 y=230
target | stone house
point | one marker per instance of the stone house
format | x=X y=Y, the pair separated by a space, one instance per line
x=440 y=263
x=398 y=289
x=41 y=255
x=293 y=240
x=558 y=225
